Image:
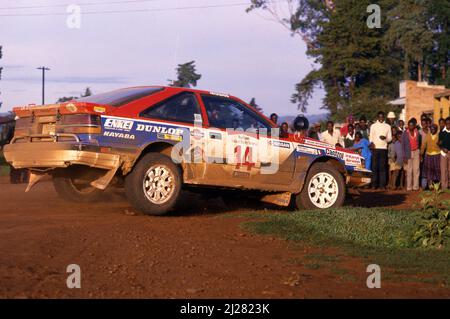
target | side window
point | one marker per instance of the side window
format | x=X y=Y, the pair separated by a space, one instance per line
x=182 y=107
x=226 y=113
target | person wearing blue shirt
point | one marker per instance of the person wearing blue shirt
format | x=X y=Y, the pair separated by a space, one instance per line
x=362 y=146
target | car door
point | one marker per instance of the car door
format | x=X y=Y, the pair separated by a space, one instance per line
x=234 y=130
x=181 y=113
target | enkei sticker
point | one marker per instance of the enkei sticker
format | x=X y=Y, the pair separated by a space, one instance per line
x=117 y=124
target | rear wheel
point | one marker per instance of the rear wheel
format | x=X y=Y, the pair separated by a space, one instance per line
x=324 y=188
x=73 y=184
x=154 y=185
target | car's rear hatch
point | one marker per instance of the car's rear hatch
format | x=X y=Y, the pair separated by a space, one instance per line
x=46 y=122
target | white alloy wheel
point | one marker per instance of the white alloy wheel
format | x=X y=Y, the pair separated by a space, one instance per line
x=323 y=190
x=159 y=184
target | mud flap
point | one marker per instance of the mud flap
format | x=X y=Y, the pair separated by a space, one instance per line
x=34 y=179
x=104 y=181
x=280 y=199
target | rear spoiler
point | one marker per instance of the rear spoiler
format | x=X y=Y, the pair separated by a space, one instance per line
x=62 y=109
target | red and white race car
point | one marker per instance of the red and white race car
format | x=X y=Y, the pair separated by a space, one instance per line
x=158 y=140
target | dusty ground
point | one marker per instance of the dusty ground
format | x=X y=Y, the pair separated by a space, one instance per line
x=198 y=252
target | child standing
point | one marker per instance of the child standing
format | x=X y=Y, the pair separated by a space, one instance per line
x=396 y=156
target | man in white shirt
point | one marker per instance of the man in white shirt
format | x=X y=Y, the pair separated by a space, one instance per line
x=380 y=136
x=332 y=136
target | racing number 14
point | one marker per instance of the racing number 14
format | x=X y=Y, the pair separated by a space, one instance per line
x=246 y=160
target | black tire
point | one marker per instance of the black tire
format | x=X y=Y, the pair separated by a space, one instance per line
x=73 y=184
x=137 y=181
x=337 y=188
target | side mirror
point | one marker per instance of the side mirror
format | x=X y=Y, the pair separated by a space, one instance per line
x=300 y=123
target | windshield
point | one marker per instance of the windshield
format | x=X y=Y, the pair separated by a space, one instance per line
x=120 y=97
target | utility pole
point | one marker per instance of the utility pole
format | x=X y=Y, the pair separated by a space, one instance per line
x=43 y=68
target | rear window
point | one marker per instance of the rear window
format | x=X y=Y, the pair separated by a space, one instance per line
x=120 y=97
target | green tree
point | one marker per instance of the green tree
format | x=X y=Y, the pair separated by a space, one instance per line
x=65 y=99
x=409 y=31
x=255 y=105
x=186 y=75
x=357 y=72
x=87 y=92
x=438 y=58
x=358 y=67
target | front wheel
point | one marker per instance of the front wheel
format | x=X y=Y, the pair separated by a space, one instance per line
x=154 y=185
x=324 y=188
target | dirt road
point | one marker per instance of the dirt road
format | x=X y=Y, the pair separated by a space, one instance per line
x=198 y=252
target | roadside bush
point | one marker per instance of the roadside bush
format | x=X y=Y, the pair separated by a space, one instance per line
x=434 y=222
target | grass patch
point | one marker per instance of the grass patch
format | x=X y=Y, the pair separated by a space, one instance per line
x=382 y=236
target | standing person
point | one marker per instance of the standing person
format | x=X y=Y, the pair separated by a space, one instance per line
x=391 y=156
x=380 y=135
x=314 y=132
x=431 y=171
x=424 y=127
x=401 y=125
x=363 y=127
x=444 y=144
x=284 y=129
x=274 y=118
x=424 y=132
x=411 y=142
x=395 y=160
x=362 y=146
x=349 y=139
x=441 y=124
x=332 y=136
x=391 y=118
x=350 y=121
x=394 y=131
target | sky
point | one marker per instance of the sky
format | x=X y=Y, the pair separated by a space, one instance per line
x=243 y=54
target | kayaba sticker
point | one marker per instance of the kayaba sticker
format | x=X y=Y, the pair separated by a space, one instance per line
x=119 y=135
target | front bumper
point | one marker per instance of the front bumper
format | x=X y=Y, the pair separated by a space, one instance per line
x=359 y=178
x=24 y=152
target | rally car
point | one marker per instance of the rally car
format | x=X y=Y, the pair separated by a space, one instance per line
x=156 y=141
